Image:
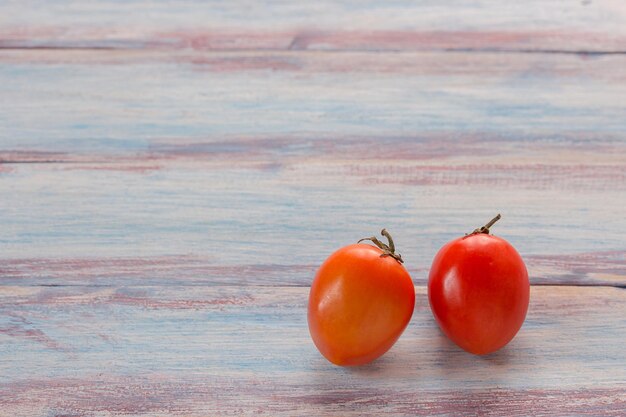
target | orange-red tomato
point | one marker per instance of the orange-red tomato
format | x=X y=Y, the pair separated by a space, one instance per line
x=359 y=304
x=479 y=292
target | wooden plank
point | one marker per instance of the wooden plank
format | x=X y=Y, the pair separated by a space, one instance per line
x=191 y=221
x=557 y=26
x=176 y=351
x=601 y=268
x=128 y=102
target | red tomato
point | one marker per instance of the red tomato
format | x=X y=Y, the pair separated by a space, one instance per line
x=361 y=301
x=479 y=291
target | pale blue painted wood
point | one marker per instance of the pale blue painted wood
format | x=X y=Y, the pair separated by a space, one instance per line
x=165 y=202
x=145 y=101
x=263 y=167
x=193 y=350
x=556 y=25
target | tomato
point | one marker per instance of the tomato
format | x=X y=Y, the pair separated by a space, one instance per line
x=361 y=301
x=478 y=291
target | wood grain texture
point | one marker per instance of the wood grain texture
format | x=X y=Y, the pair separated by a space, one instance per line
x=229 y=171
x=533 y=26
x=173 y=173
x=581 y=269
x=234 y=350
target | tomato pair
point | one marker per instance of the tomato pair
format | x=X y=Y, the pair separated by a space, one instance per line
x=362 y=298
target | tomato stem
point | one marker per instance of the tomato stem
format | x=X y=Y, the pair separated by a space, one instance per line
x=388 y=250
x=485 y=228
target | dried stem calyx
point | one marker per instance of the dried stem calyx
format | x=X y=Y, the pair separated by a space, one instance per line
x=389 y=249
x=485 y=228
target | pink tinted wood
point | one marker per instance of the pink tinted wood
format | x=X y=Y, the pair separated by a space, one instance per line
x=193 y=350
x=172 y=174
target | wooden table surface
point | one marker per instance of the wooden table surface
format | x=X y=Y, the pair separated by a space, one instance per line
x=173 y=173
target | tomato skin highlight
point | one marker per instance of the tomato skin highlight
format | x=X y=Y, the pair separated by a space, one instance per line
x=479 y=292
x=359 y=305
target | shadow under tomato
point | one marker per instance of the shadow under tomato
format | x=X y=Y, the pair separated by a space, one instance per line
x=374 y=368
x=491 y=369
x=389 y=365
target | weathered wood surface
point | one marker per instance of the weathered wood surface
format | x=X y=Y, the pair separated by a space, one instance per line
x=536 y=25
x=172 y=174
x=183 y=351
x=251 y=168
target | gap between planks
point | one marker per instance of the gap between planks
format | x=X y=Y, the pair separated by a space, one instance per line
x=102 y=48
